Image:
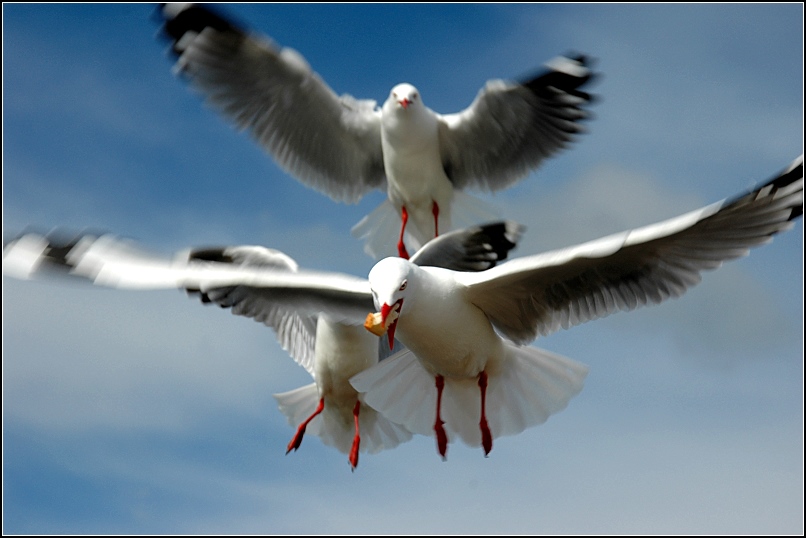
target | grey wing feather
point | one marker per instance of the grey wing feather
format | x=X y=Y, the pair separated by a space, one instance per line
x=329 y=143
x=511 y=128
x=255 y=282
x=296 y=333
x=476 y=248
x=538 y=295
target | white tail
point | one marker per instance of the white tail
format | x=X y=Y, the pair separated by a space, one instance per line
x=335 y=425
x=531 y=385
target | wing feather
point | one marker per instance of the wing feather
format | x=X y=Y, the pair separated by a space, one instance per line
x=329 y=143
x=537 y=295
x=254 y=282
x=511 y=128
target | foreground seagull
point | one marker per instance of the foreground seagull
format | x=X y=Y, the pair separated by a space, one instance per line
x=451 y=322
x=345 y=147
x=330 y=351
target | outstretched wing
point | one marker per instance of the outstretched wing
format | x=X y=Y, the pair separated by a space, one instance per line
x=537 y=295
x=329 y=143
x=256 y=282
x=511 y=128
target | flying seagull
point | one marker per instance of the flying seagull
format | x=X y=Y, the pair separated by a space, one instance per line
x=330 y=351
x=451 y=322
x=345 y=147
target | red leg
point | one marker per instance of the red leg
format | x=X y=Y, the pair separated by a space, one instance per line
x=486 y=436
x=401 y=248
x=356 y=439
x=442 y=437
x=435 y=211
x=297 y=440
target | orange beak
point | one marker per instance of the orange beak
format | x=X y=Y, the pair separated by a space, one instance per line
x=405 y=103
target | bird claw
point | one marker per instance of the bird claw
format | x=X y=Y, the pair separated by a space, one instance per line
x=486 y=437
x=442 y=439
x=354 y=453
x=296 y=441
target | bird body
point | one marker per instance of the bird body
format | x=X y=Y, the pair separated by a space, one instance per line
x=416 y=180
x=455 y=342
x=450 y=336
x=341 y=351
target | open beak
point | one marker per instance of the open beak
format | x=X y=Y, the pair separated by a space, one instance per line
x=385 y=311
x=385 y=321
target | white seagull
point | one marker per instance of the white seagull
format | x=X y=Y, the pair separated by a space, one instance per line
x=330 y=351
x=346 y=147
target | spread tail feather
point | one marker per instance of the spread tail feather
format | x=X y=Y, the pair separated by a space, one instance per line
x=468 y=210
x=379 y=230
x=335 y=426
x=530 y=386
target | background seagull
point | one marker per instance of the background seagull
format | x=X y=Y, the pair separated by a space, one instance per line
x=330 y=351
x=345 y=147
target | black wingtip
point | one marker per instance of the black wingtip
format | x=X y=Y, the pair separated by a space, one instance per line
x=179 y=19
x=502 y=236
x=211 y=255
x=491 y=243
x=60 y=245
x=563 y=79
x=793 y=173
x=782 y=181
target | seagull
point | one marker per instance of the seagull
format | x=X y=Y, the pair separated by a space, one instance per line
x=346 y=147
x=466 y=333
x=330 y=351
x=462 y=328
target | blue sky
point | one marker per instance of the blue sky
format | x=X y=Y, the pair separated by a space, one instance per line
x=145 y=412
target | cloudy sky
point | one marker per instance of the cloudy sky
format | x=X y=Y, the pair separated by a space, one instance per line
x=145 y=412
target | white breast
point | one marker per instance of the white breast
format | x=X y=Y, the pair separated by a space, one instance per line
x=450 y=336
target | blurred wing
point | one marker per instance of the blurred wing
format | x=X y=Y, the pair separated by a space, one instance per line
x=256 y=282
x=511 y=128
x=295 y=333
x=537 y=295
x=329 y=143
x=476 y=248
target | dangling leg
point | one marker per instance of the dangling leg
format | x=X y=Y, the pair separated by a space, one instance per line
x=401 y=248
x=442 y=437
x=356 y=439
x=297 y=440
x=435 y=211
x=486 y=436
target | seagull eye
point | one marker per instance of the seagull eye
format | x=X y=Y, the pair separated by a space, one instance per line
x=403 y=285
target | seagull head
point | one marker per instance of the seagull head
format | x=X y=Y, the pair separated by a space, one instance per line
x=403 y=96
x=391 y=283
